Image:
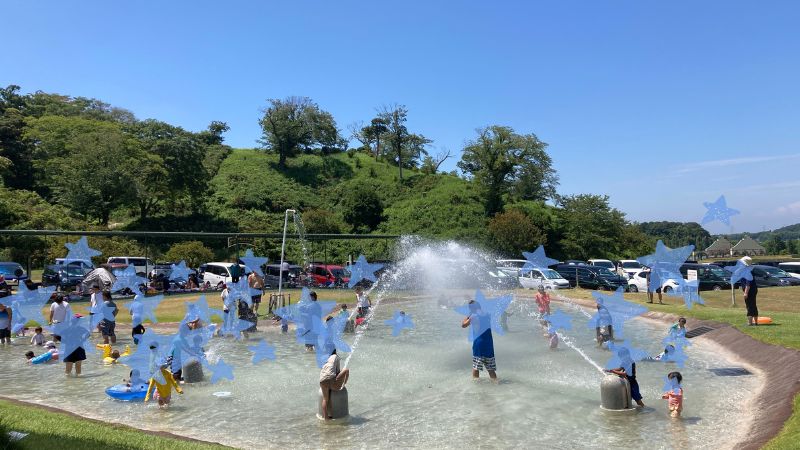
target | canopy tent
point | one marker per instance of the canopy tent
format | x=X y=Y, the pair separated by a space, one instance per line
x=100 y=277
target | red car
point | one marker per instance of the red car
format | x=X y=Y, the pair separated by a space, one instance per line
x=327 y=275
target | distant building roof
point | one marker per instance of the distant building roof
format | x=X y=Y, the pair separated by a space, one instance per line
x=748 y=244
x=720 y=245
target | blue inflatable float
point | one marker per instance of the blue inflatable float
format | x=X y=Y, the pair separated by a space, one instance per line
x=126 y=393
x=43 y=358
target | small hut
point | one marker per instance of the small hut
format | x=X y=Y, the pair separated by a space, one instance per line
x=748 y=247
x=720 y=247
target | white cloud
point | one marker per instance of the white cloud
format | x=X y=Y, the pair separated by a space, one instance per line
x=790 y=209
x=704 y=165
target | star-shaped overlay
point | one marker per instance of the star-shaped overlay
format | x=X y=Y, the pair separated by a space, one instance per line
x=254 y=263
x=672 y=385
x=557 y=320
x=740 y=271
x=150 y=355
x=28 y=303
x=142 y=308
x=665 y=263
x=303 y=313
x=220 y=370
x=330 y=337
x=80 y=251
x=399 y=321
x=362 y=270
x=624 y=355
x=74 y=333
x=262 y=351
x=718 y=210
x=128 y=279
x=536 y=260
x=615 y=309
x=179 y=272
x=486 y=314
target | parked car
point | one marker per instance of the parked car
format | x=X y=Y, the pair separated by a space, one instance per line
x=638 y=283
x=62 y=276
x=548 y=278
x=501 y=279
x=218 y=273
x=591 y=277
x=710 y=277
x=576 y=262
x=766 y=276
x=603 y=263
x=291 y=277
x=628 y=268
x=327 y=275
x=792 y=268
x=142 y=265
x=85 y=265
x=13 y=273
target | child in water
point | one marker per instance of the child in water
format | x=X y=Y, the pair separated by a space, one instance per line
x=482 y=345
x=162 y=392
x=674 y=397
x=38 y=337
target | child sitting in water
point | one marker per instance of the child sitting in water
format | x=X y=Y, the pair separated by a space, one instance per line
x=674 y=397
x=38 y=337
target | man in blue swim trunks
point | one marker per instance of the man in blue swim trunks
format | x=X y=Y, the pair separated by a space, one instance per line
x=482 y=343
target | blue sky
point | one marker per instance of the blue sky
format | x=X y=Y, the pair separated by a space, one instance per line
x=660 y=105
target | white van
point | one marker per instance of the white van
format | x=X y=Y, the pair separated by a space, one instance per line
x=218 y=273
x=792 y=268
x=628 y=268
x=141 y=264
x=604 y=263
x=548 y=278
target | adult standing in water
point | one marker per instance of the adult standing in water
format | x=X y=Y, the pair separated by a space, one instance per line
x=257 y=284
x=750 y=288
x=482 y=344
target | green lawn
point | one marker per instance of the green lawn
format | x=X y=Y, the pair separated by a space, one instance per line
x=52 y=430
x=781 y=304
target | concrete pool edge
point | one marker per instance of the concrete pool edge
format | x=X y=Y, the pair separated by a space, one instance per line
x=53 y=409
x=777 y=368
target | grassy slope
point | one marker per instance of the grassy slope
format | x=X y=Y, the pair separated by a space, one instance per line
x=52 y=430
x=782 y=304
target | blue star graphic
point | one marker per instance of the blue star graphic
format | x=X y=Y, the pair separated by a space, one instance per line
x=241 y=291
x=303 y=313
x=718 y=211
x=362 y=270
x=179 y=272
x=101 y=311
x=142 y=308
x=127 y=278
x=536 y=260
x=199 y=310
x=189 y=344
x=624 y=355
x=665 y=263
x=676 y=337
x=330 y=337
x=254 y=263
x=80 y=251
x=672 y=385
x=690 y=292
x=74 y=333
x=29 y=302
x=399 y=321
x=220 y=370
x=675 y=353
x=150 y=355
x=558 y=321
x=262 y=351
x=614 y=310
x=740 y=271
x=486 y=314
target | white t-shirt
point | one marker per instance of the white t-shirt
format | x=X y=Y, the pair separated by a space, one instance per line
x=363 y=300
x=96 y=299
x=37 y=339
x=136 y=312
x=59 y=311
x=330 y=370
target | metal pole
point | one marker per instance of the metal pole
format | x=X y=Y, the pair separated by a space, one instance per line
x=283 y=250
x=733 y=296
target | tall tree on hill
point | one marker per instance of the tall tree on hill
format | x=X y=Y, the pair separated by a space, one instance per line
x=406 y=148
x=504 y=163
x=15 y=154
x=297 y=124
x=590 y=227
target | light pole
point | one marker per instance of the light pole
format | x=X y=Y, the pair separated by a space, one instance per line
x=283 y=250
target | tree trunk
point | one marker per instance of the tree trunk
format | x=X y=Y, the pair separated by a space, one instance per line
x=377 y=147
x=400 y=162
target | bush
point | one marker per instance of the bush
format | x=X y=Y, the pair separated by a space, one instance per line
x=512 y=233
x=193 y=252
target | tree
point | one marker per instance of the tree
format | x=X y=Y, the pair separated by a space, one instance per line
x=361 y=207
x=14 y=152
x=503 y=162
x=96 y=177
x=193 y=252
x=320 y=221
x=512 y=233
x=590 y=227
x=431 y=164
x=775 y=245
x=406 y=148
x=298 y=124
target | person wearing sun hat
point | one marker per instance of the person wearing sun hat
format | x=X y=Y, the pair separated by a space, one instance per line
x=750 y=288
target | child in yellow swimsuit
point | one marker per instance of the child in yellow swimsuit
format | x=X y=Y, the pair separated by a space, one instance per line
x=163 y=392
